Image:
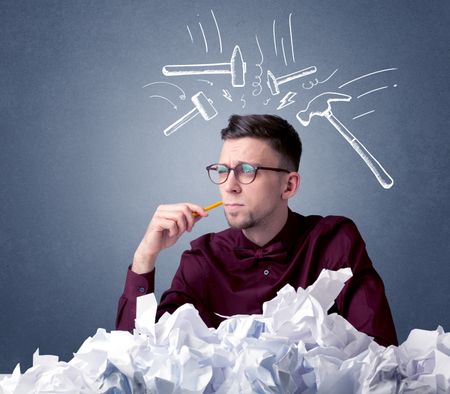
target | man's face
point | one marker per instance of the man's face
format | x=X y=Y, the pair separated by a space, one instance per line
x=252 y=205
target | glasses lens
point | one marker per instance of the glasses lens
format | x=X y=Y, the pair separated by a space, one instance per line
x=245 y=173
x=218 y=173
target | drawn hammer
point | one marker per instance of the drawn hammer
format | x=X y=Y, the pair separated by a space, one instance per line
x=321 y=106
x=202 y=105
x=236 y=67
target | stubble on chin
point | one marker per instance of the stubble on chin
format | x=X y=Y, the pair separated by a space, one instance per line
x=240 y=224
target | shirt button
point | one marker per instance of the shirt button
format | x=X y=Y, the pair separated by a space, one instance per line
x=141 y=289
x=266 y=272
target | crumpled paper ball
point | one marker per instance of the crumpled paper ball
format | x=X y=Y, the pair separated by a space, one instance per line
x=293 y=346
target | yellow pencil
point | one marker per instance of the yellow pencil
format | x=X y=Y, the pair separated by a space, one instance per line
x=209 y=207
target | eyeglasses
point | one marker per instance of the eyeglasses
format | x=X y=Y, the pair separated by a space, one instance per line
x=245 y=173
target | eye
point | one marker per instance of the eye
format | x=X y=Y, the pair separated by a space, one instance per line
x=221 y=169
x=247 y=168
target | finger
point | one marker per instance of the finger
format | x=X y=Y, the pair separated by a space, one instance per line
x=189 y=217
x=179 y=218
x=187 y=210
x=178 y=214
x=197 y=209
x=169 y=225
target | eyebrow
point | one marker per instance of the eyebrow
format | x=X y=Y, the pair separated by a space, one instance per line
x=255 y=164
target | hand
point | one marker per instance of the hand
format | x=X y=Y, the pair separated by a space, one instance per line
x=169 y=222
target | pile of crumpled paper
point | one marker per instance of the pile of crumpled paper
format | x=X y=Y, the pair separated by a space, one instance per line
x=292 y=347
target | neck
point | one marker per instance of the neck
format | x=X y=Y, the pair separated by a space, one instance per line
x=267 y=229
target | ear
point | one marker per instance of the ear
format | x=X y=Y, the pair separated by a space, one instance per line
x=291 y=185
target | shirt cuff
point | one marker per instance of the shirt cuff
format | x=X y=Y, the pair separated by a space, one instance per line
x=138 y=284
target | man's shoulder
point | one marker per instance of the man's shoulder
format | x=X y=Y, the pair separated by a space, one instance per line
x=312 y=224
x=326 y=225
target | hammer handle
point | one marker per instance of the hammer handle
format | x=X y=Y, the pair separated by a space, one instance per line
x=182 y=121
x=380 y=173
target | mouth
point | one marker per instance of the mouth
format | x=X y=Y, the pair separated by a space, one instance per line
x=230 y=207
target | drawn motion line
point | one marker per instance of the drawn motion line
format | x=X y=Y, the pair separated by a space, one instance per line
x=227 y=95
x=290 y=34
x=204 y=37
x=316 y=81
x=371 y=91
x=218 y=31
x=274 y=38
x=183 y=94
x=367 y=75
x=364 y=114
x=190 y=34
x=284 y=53
x=165 y=98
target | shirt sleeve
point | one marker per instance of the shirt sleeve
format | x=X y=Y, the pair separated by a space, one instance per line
x=363 y=300
x=189 y=286
x=135 y=285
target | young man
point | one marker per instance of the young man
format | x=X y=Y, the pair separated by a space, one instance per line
x=267 y=245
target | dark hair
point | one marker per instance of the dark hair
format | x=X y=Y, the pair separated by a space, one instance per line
x=281 y=136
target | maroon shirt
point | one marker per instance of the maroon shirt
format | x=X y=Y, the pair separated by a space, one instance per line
x=225 y=273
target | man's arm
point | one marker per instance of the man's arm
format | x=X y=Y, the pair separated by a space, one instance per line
x=363 y=300
x=166 y=226
x=136 y=285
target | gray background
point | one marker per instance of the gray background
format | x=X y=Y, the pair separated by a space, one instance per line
x=84 y=162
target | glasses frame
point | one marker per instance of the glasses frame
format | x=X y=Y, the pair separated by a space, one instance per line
x=208 y=168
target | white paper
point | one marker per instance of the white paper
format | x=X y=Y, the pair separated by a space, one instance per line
x=292 y=346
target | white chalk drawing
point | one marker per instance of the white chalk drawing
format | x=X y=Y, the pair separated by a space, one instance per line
x=366 y=75
x=182 y=95
x=273 y=83
x=374 y=90
x=227 y=94
x=206 y=81
x=290 y=34
x=218 y=30
x=204 y=37
x=236 y=67
x=244 y=102
x=287 y=100
x=190 y=34
x=282 y=49
x=257 y=84
x=321 y=106
x=317 y=82
x=274 y=38
x=371 y=91
x=364 y=114
x=202 y=105
x=164 y=98
x=282 y=40
x=311 y=84
x=205 y=41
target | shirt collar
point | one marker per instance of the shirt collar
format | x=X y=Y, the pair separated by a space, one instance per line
x=286 y=237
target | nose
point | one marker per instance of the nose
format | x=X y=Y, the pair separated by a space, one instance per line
x=231 y=185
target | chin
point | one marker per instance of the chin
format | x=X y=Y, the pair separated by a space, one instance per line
x=239 y=223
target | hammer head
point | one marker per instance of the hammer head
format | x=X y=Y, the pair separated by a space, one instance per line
x=204 y=106
x=272 y=83
x=238 y=68
x=320 y=106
